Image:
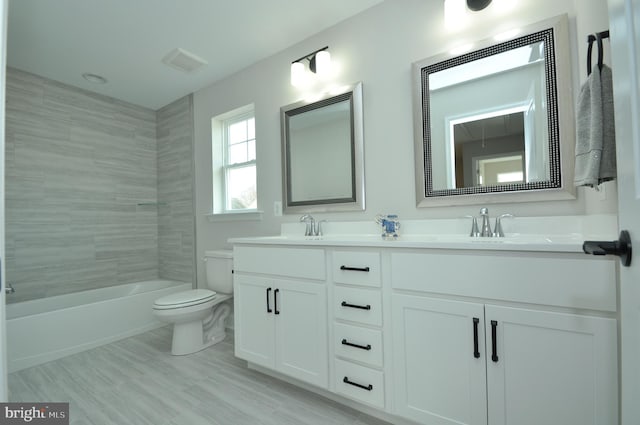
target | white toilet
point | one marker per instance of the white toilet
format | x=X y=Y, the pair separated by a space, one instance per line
x=197 y=314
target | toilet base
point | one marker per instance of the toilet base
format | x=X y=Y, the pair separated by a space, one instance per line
x=188 y=338
x=196 y=335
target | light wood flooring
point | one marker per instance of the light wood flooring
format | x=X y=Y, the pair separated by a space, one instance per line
x=137 y=381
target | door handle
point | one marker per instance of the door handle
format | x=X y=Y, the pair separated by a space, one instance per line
x=476 y=352
x=494 y=341
x=361 y=307
x=269 y=310
x=275 y=302
x=355 y=269
x=351 y=344
x=621 y=248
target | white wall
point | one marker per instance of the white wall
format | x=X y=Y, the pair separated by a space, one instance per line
x=376 y=47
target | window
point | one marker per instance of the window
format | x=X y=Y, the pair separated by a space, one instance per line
x=234 y=162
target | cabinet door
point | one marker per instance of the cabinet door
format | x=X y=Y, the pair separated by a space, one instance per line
x=439 y=360
x=254 y=325
x=301 y=331
x=551 y=368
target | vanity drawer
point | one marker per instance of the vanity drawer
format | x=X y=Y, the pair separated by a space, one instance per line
x=359 y=383
x=294 y=262
x=357 y=305
x=554 y=279
x=357 y=343
x=357 y=268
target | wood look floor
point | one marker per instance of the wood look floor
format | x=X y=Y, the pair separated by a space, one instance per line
x=137 y=381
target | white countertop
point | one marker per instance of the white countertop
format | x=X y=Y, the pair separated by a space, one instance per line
x=509 y=243
x=550 y=234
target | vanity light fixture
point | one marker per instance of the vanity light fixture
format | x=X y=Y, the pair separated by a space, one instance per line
x=319 y=64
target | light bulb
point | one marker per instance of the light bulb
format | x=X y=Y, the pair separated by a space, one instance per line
x=298 y=76
x=323 y=64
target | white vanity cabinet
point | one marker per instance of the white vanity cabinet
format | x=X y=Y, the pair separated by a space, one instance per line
x=435 y=335
x=457 y=361
x=280 y=311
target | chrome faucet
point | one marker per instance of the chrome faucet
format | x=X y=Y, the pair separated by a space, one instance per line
x=497 y=229
x=485 y=230
x=310 y=230
x=313 y=228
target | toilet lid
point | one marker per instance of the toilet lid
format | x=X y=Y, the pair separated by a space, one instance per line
x=185 y=298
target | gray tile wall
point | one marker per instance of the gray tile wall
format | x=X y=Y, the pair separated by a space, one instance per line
x=82 y=197
x=176 y=242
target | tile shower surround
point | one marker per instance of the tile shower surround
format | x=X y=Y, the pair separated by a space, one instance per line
x=98 y=191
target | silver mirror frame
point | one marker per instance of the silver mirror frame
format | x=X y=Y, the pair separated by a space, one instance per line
x=356 y=202
x=560 y=116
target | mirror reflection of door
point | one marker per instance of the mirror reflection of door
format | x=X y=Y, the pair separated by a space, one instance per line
x=489 y=151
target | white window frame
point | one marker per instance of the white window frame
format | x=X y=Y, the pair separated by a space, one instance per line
x=220 y=167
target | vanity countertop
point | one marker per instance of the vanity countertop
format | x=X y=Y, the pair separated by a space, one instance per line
x=536 y=234
x=568 y=243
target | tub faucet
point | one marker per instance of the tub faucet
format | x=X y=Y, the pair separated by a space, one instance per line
x=485 y=230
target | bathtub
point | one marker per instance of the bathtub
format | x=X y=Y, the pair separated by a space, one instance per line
x=46 y=329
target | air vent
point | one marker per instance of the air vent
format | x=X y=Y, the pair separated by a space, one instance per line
x=183 y=61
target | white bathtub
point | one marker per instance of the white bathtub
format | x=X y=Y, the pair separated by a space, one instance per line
x=46 y=329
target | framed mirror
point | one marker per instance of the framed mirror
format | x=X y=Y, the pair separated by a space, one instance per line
x=322 y=153
x=496 y=124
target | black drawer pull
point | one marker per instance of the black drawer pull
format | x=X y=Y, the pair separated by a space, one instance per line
x=269 y=310
x=494 y=341
x=275 y=302
x=355 y=384
x=351 y=344
x=355 y=269
x=476 y=352
x=361 y=307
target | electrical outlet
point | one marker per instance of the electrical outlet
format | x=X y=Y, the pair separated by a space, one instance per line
x=277 y=209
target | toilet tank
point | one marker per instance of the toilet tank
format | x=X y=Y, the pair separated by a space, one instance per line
x=219 y=268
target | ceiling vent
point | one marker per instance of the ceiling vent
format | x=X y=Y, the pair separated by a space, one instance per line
x=183 y=61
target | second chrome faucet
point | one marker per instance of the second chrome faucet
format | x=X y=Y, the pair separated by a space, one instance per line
x=485 y=227
x=313 y=227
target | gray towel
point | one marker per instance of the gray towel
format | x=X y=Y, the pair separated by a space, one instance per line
x=596 y=137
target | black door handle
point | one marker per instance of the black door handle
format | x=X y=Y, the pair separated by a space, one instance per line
x=275 y=302
x=621 y=248
x=351 y=344
x=361 y=307
x=494 y=341
x=269 y=310
x=355 y=384
x=476 y=352
x=355 y=269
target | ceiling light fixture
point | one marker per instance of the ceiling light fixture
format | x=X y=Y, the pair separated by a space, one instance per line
x=319 y=64
x=94 y=78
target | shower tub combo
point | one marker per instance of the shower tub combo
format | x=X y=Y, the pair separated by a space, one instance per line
x=46 y=329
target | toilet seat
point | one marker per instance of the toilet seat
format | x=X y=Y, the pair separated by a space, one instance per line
x=184 y=299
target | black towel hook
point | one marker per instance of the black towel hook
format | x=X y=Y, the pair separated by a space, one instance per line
x=598 y=37
x=590 y=39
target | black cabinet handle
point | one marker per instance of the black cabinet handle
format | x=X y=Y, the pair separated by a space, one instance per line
x=355 y=269
x=476 y=352
x=351 y=344
x=275 y=302
x=269 y=310
x=361 y=307
x=494 y=341
x=355 y=384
